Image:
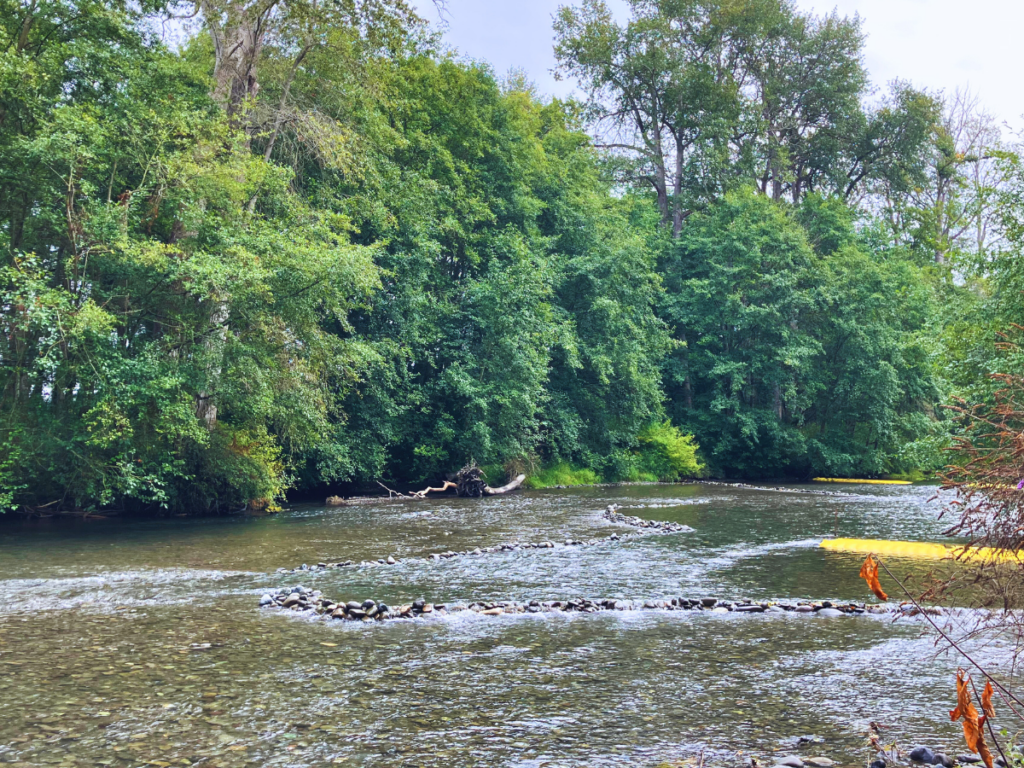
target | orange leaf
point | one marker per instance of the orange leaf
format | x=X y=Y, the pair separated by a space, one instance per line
x=869 y=572
x=986 y=700
x=972 y=721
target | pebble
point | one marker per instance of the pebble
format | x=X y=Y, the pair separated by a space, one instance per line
x=943 y=760
x=819 y=762
x=830 y=612
x=791 y=762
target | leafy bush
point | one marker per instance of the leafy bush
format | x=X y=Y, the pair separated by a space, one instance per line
x=667 y=453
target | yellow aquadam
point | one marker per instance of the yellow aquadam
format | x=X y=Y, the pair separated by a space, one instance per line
x=921 y=550
x=868 y=482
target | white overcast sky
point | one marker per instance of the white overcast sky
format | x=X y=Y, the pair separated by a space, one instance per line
x=935 y=44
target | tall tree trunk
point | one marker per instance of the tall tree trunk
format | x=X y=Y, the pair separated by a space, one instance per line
x=237 y=30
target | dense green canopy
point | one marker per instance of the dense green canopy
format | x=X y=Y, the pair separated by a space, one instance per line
x=307 y=248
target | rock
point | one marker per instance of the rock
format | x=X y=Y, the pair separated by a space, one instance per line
x=879 y=763
x=791 y=762
x=291 y=600
x=968 y=759
x=417 y=605
x=266 y=600
x=804 y=609
x=819 y=762
x=922 y=755
x=356 y=613
x=830 y=612
x=391 y=560
x=353 y=605
x=709 y=602
x=492 y=612
x=940 y=759
x=338 y=613
x=749 y=609
x=368 y=604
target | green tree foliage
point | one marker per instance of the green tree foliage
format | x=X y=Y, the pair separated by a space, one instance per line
x=352 y=259
x=517 y=312
x=798 y=359
x=307 y=248
x=137 y=284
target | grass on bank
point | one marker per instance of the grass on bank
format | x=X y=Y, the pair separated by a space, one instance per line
x=562 y=473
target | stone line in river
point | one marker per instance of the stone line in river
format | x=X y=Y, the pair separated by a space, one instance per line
x=647 y=527
x=302 y=600
x=744 y=486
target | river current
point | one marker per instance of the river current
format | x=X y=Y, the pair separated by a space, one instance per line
x=131 y=643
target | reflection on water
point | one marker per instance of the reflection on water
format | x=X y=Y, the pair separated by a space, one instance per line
x=127 y=643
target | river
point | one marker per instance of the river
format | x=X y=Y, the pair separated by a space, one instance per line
x=127 y=643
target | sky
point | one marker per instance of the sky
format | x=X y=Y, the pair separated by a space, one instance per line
x=935 y=44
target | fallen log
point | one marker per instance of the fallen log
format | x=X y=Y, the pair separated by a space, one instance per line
x=469 y=483
x=520 y=479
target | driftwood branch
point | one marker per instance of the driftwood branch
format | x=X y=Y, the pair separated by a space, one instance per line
x=423 y=494
x=468 y=483
x=391 y=493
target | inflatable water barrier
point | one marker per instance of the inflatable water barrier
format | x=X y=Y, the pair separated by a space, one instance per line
x=869 y=482
x=918 y=550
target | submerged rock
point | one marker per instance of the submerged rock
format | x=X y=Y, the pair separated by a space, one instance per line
x=922 y=755
x=830 y=612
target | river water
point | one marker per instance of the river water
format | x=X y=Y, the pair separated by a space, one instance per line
x=127 y=643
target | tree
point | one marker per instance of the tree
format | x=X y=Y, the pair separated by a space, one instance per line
x=803 y=352
x=662 y=92
x=952 y=210
x=697 y=97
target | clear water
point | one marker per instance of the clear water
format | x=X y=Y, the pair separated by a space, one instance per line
x=134 y=643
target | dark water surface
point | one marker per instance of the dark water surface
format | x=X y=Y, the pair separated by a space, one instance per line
x=135 y=643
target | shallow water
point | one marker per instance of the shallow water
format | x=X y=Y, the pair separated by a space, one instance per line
x=127 y=643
